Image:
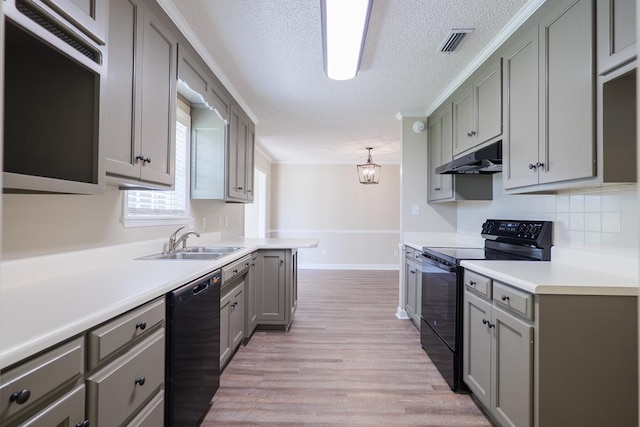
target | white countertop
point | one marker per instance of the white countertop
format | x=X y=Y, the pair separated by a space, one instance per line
x=570 y=271
x=552 y=278
x=45 y=300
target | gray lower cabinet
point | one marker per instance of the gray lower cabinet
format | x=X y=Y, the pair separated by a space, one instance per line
x=251 y=320
x=119 y=390
x=617 y=39
x=276 y=287
x=498 y=361
x=550 y=360
x=549 y=63
x=413 y=280
x=231 y=320
x=140 y=97
x=46 y=390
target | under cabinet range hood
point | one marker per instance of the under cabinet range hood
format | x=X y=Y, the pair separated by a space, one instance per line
x=485 y=160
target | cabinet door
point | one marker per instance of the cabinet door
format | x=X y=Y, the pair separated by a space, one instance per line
x=225 y=329
x=66 y=411
x=616 y=32
x=487 y=93
x=434 y=156
x=512 y=370
x=236 y=174
x=567 y=110
x=123 y=102
x=270 y=286
x=237 y=316
x=446 y=150
x=439 y=152
x=158 y=117
x=477 y=347
x=521 y=110
x=249 y=160
x=250 y=298
x=411 y=289
x=463 y=121
x=89 y=15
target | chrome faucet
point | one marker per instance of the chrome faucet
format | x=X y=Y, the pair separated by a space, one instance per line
x=174 y=242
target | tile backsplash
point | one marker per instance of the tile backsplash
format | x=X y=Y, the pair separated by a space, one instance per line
x=603 y=219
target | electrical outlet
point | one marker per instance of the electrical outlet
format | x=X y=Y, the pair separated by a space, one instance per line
x=204 y=222
x=415 y=209
x=226 y=220
x=395 y=252
x=324 y=252
x=219 y=221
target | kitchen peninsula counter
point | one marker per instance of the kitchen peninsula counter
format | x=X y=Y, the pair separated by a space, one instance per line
x=47 y=299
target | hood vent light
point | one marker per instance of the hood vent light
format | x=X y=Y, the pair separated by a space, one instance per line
x=454 y=39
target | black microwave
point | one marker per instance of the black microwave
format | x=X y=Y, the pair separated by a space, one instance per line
x=53 y=79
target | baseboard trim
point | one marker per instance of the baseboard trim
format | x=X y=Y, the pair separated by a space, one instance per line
x=402 y=314
x=395 y=267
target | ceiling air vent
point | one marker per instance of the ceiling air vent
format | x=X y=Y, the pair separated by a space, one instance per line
x=454 y=38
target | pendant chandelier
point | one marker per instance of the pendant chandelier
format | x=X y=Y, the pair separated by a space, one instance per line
x=369 y=173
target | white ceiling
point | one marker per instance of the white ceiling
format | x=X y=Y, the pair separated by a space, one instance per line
x=269 y=53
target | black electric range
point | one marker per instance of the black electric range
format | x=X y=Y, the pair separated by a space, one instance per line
x=442 y=286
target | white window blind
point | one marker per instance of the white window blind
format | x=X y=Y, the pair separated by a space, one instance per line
x=164 y=205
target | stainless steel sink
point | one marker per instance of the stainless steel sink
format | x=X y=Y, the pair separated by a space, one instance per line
x=195 y=253
x=212 y=249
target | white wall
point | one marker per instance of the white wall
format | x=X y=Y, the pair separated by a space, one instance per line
x=600 y=219
x=37 y=224
x=431 y=217
x=358 y=226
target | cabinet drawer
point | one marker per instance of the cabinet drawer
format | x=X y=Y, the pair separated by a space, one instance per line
x=514 y=299
x=478 y=283
x=151 y=415
x=115 y=392
x=236 y=268
x=66 y=411
x=109 y=338
x=39 y=377
x=411 y=253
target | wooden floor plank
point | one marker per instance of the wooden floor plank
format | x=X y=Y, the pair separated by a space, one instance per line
x=347 y=360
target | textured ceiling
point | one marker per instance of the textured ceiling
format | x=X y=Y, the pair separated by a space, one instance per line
x=270 y=52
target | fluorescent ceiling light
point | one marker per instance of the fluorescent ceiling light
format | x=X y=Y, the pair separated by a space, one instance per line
x=344 y=28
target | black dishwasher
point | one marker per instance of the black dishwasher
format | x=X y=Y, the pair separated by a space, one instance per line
x=193 y=350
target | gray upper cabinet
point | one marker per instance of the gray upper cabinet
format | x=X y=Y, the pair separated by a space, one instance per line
x=477 y=108
x=240 y=157
x=616 y=33
x=487 y=93
x=439 y=141
x=141 y=97
x=450 y=188
x=463 y=124
x=521 y=82
x=563 y=147
x=88 y=15
x=567 y=103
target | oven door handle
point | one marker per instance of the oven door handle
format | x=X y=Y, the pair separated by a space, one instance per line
x=433 y=262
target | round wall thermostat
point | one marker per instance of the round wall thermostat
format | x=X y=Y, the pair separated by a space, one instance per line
x=418 y=126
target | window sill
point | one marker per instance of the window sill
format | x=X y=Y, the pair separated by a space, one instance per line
x=153 y=221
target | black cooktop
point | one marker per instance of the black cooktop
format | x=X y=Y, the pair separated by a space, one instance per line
x=504 y=240
x=455 y=255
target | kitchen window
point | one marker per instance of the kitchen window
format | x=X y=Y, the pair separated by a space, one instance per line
x=151 y=208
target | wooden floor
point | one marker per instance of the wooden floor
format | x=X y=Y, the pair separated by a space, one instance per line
x=347 y=360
